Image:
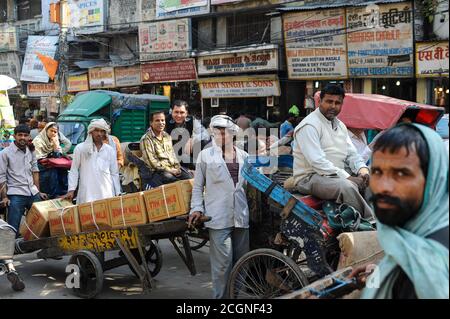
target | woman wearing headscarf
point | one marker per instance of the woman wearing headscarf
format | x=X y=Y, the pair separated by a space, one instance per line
x=48 y=144
x=218 y=172
x=409 y=181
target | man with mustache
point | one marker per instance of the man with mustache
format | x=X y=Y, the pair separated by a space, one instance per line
x=326 y=163
x=158 y=153
x=410 y=196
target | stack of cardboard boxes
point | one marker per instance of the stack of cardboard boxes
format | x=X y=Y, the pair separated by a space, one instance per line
x=60 y=217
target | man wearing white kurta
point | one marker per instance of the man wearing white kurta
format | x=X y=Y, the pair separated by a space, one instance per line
x=94 y=167
x=219 y=193
x=323 y=153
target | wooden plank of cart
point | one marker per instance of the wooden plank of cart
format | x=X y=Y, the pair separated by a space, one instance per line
x=135 y=243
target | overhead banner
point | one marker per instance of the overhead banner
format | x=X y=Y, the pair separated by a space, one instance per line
x=240 y=86
x=42 y=89
x=250 y=61
x=180 y=8
x=432 y=59
x=164 y=40
x=8 y=37
x=78 y=83
x=316 y=44
x=380 y=40
x=101 y=78
x=169 y=71
x=128 y=75
x=33 y=69
x=86 y=16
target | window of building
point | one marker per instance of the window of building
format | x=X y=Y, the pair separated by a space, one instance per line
x=244 y=29
x=28 y=9
x=3 y=11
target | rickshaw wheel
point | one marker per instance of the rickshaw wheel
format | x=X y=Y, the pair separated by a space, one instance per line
x=153 y=256
x=263 y=274
x=90 y=274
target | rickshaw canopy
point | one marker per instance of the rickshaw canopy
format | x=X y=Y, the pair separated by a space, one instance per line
x=380 y=112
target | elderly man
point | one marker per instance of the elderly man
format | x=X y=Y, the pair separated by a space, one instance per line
x=322 y=153
x=219 y=192
x=94 y=167
x=410 y=195
x=158 y=154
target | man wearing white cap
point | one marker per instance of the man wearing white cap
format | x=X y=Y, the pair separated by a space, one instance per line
x=218 y=171
x=94 y=167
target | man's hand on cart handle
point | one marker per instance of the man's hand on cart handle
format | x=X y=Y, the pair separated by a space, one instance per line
x=194 y=218
x=5 y=202
x=69 y=195
x=361 y=273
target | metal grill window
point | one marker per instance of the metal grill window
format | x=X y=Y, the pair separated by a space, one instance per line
x=28 y=9
x=248 y=29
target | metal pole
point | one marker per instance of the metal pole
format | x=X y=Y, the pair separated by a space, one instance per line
x=63 y=50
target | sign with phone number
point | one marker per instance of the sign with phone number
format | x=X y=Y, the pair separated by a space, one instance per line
x=98 y=241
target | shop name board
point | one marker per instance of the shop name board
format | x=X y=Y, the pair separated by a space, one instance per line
x=42 y=89
x=236 y=87
x=78 y=83
x=128 y=76
x=101 y=78
x=315 y=46
x=261 y=60
x=380 y=40
x=432 y=59
x=10 y=65
x=164 y=40
x=169 y=71
x=180 y=8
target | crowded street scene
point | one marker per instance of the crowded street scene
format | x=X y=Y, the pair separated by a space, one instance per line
x=224 y=149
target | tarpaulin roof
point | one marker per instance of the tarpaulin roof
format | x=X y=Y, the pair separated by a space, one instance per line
x=373 y=111
x=323 y=4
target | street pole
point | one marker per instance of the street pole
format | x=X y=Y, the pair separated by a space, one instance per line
x=63 y=52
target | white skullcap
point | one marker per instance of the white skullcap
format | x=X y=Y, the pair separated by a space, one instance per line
x=224 y=121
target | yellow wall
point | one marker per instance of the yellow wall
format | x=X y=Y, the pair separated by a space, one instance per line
x=367 y=86
x=421 y=91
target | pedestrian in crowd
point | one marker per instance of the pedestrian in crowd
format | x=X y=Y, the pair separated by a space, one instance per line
x=410 y=195
x=50 y=143
x=158 y=153
x=243 y=122
x=94 y=167
x=288 y=126
x=187 y=133
x=34 y=128
x=359 y=140
x=19 y=176
x=322 y=152
x=114 y=142
x=219 y=192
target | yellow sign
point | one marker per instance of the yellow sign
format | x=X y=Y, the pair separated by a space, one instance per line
x=98 y=241
x=77 y=83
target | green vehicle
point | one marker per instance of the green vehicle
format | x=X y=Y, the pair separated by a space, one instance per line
x=127 y=113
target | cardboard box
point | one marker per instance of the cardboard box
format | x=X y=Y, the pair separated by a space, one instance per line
x=186 y=191
x=165 y=202
x=64 y=221
x=127 y=210
x=36 y=223
x=94 y=214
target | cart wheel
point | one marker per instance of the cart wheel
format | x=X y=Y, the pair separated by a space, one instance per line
x=90 y=272
x=194 y=242
x=264 y=273
x=153 y=256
